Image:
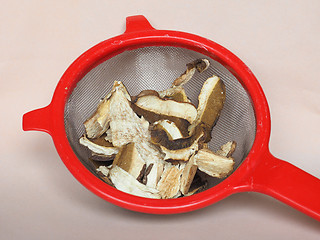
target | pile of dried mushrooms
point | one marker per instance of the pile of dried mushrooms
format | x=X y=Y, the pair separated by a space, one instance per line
x=153 y=144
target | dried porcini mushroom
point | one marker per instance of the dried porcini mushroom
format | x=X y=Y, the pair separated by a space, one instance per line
x=187 y=176
x=130 y=160
x=213 y=164
x=162 y=137
x=167 y=107
x=171 y=129
x=152 y=117
x=169 y=184
x=211 y=101
x=200 y=65
x=153 y=144
x=99 y=149
x=125 y=182
x=227 y=149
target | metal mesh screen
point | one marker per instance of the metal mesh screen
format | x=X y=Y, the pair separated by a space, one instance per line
x=156 y=68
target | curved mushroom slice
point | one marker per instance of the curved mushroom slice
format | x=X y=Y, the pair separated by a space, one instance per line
x=106 y=159
x=169 y=183
x=227 y=149
x=167 y=107
x=183 y=154
x=200 y=65
x=212 y=164
x=211 y=101
x=152 y=117
x=125 y=182
x=99 y=149
x=98 y=123
x=130 y=160
x=144 y=93
x=161 y=137
x=189 y=171
x=170 y=128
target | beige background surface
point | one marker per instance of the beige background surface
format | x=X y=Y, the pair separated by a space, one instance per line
x=278 y=40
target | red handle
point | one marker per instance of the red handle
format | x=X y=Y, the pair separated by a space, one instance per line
x=288 y=184
x=39 y=120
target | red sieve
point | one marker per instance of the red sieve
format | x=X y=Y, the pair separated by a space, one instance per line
x=146 y=58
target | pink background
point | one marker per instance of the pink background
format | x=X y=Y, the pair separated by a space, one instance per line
x=278 y=40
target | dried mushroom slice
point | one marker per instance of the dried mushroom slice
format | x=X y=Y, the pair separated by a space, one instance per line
x=183 y=154
x=189 y=171
x=167 y=107
x=103 y=173
x=178 y=95
x=127 y=127
x=125 y=182
x=130 y=160
x=170 y=128
x=161 y=137
x=98 y=123
x=199 y=65
x=227 y=149
x=211 y=101
x=99 y=149
x=152 y=117
x=106 y=159
x=154 y=174
x=144 y=93
x=212 y=164
x=169 y=183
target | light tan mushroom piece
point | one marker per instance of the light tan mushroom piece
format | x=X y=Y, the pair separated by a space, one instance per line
x=98 y=123
x=211 y=100
x=199 y=65
x=169 y=184
x=213 y=164
x=154 y=175
x=99 y=149
x=227 y=149
x=125 y=182
x=130 y=160
x=167 y=107
x=104 y=170
x=171 y=129
x=189 y=171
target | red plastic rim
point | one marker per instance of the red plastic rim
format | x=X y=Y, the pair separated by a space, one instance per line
x=140 y=34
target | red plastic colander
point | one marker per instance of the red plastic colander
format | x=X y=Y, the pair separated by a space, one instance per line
x=146 y=58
